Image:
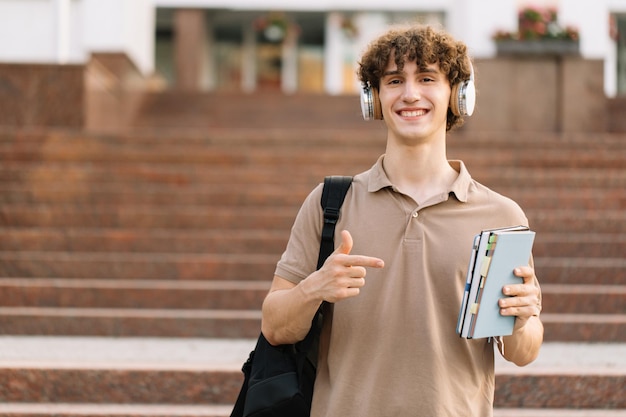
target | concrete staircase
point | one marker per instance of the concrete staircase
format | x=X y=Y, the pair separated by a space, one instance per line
x=133 y=265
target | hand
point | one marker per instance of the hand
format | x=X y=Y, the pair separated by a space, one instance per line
x=343 y=274
x=524 y=300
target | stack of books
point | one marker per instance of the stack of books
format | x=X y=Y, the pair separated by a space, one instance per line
x=495 y=254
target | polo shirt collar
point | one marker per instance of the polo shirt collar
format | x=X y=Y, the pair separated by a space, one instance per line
x=460 y=187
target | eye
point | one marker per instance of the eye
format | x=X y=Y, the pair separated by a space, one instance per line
x=394 y=81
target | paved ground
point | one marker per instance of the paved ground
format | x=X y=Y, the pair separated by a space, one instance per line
x=104 y=352
x=226 y=354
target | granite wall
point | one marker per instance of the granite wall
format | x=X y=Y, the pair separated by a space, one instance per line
x=554 y=94
x=548 y=93
x=42 y=95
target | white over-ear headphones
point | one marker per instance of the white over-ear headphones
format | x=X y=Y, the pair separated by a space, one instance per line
x=462 y=99
x=370 y=104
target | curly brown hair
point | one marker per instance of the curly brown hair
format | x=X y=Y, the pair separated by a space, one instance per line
x=422 y=44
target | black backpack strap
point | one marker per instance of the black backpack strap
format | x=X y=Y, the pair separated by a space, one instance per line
x=335 y=190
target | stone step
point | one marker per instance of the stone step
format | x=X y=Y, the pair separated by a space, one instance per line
x=130 y=322
x=164 y=266
x=131 y=193
x=556 y=412
x=364 y=133
x=147 y=217
x=590 y=156
x=566 y=220
x=583 y=299
x=501 y=179
x=244 y=136
x=577 y=270
x=151 y=371
x=155 y=266
x=584 y=327
x=253 y=195
x=246 y=267
x=589 y=245
x=47 y=409
x=242 y=295
x=174 y=109
x=181 y=153
x=316 y=166
x=54 y=321
x=158 y=240
x=133 y=294
x=575 y=198
x=187 y=175
x=124 y=410
x=268 y=218
x=170 y=173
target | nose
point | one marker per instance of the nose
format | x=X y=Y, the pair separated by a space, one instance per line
x=411 y=92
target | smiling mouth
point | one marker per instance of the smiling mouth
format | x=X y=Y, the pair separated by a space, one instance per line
x=413 y=113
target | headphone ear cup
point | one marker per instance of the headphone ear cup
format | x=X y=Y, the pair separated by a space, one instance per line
x=469 y=95
x=376 y=106
x=454 y=100
x=370 y=104
x=367 y=100
x=463 y=98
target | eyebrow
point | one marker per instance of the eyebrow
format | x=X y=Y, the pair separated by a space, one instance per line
x=427 y=70
x=394 y=72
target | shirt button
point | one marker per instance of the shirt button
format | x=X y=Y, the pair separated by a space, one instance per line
x=415 y=214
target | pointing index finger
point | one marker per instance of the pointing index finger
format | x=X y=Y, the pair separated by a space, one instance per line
x=362 y=260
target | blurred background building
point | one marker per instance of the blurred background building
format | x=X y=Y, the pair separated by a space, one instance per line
x=293 y=46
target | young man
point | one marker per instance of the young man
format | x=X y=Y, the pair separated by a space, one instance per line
x=389 y=345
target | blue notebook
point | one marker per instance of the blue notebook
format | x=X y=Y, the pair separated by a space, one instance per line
x=494 y=256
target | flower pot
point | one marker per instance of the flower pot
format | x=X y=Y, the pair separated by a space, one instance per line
x=537 y=47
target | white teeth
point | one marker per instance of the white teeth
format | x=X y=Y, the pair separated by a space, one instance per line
x=413 y=113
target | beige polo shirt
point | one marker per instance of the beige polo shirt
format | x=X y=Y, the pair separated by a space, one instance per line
x=393 y=350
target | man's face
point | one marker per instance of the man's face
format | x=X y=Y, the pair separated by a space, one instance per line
x=414 y=101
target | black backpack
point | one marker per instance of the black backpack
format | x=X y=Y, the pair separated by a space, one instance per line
x=279 y=380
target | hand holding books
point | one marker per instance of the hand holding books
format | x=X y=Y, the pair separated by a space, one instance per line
x=524 y=299
x=495 y=254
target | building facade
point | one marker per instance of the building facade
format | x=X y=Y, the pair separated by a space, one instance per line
x=282 y=45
